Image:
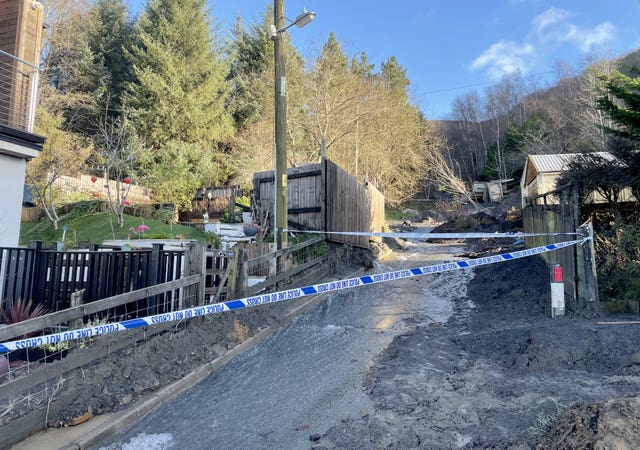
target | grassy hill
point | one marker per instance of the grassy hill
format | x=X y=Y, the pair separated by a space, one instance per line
x=85 y=224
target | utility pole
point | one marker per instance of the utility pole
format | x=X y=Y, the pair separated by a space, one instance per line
x=280 y=97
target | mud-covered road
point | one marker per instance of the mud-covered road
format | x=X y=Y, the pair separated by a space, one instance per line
x=470 y=359
x=500 y=373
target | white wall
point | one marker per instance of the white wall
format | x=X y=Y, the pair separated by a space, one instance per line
x=12 y=172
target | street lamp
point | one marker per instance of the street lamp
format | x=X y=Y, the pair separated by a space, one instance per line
x=280 y=99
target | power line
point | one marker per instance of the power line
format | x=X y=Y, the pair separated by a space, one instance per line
x=486 y=83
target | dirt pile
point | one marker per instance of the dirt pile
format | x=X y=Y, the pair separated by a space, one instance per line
x=613 y=424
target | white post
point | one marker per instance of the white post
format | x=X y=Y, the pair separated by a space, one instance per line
x=557 y=291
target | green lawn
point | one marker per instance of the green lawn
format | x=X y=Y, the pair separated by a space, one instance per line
x=94 y=227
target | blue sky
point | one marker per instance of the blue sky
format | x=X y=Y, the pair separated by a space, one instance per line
x=450 y=47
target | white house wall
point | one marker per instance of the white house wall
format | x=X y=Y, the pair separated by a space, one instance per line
x=12 y=172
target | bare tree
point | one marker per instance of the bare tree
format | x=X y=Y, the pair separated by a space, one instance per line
x=443 y=173
x=468 y=120
x=64 y=153
x=116 y=150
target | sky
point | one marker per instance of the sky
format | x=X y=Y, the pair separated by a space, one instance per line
x=451 y=47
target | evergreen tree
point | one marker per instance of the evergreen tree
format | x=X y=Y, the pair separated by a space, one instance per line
x=252 y=103
x=251 y=72
x=179 y=91
x=108 y=33
x=177 y=99
x=621 y=102
x=361 y=67
x=395 y=77
x=69 y=69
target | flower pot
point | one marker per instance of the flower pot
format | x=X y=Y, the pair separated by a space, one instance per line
x=250 y=230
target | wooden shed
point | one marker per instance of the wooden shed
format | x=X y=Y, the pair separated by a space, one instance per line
x=541 y=172
x=324 y=197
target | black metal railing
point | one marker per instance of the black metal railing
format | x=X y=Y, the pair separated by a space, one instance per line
x=49 y=277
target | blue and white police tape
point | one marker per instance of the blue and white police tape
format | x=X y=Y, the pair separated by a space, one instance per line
x=273 y=297
x=410 y=235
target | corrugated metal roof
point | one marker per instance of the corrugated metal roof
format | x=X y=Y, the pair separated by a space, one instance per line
x=558 y=163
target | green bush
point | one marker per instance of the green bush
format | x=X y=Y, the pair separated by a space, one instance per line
x=237 y=216
x=164 y=215
x=618 y=261
x=213 y=239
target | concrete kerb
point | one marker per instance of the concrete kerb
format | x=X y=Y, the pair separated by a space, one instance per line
x=144 y=407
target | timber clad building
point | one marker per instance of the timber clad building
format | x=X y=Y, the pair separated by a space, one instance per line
x=541 y=172
x=20 y=46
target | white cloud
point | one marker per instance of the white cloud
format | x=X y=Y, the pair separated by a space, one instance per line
x=586 y=39
x=551 y=27
x=550 y=17
x=503 y=58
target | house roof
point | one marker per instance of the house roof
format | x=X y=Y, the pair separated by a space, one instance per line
x=547 y=164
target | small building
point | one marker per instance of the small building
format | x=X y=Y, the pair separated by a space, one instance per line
x=490 y=191
x=19 y=59
x=541 y=172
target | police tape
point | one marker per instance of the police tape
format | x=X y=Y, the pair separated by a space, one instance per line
x=231 y=305
x=411 y=235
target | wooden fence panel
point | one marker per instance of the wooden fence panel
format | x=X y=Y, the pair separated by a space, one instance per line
x=304 y=196
x=325 y=197
x=352 y=206
x=546 y=219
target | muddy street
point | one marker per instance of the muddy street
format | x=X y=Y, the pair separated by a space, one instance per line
x=463 y=359
x=498 y=374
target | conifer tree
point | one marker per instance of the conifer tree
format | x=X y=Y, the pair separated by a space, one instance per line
x=109 y=31
x=177 y=99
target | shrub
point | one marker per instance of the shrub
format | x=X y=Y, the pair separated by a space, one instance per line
x=164 y=215
x=618 y=261
x=20 y=310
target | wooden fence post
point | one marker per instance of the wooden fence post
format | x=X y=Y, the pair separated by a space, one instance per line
x=194 y=264
x=76 y=300
x=240 y=284
x=39 y=273
x=232 y=206
x=586 y=268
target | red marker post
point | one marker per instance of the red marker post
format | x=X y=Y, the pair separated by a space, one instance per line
x=557 y=291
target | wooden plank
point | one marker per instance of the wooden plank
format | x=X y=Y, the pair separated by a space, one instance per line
x=272 y=281
x=51 y=320
x=304 y=210
x=266 y=258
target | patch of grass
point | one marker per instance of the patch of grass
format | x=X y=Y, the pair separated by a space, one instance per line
x=85 y=227
x=398 y=215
